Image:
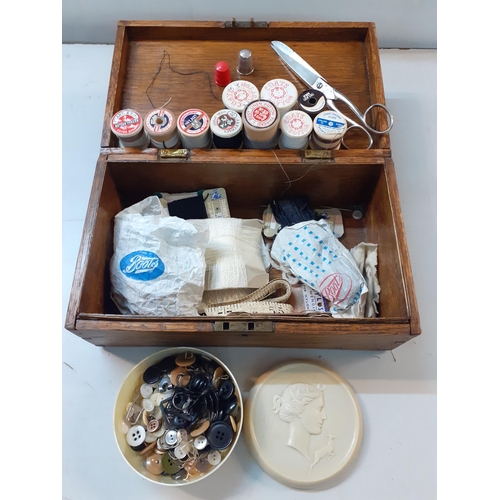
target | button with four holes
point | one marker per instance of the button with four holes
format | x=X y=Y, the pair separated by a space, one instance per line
x=136 y=436
x=220 y=435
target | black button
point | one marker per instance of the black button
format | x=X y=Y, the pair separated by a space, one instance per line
x=226 y=389
x=220 y=435
x=229 y=405
x=152 y=374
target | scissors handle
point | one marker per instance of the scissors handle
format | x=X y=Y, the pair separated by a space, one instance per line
x=362 y=117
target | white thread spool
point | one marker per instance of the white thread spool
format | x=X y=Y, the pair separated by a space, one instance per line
x=282 y=93
x=226 y=126
x=161 y=127
x=328 y=129
x=194 y=129
x=260 y=123
x=238 y=94
x=296 y=126
x=128 y=126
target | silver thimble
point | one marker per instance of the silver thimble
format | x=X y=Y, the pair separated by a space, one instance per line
x=245 y=64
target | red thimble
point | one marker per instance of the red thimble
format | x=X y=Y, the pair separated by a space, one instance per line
x=222 y=74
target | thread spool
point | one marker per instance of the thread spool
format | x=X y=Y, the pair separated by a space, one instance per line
x=238 y=94
x=227 y=129
x=296 y=126
x=260 y=123
x=270 y=144
x=161 y=127
x=128 y=126
x=282 y=93
x=312 y=102
x=193 y=126
x=328 y=129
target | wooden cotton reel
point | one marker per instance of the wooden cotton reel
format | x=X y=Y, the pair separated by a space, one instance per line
x=161 y=127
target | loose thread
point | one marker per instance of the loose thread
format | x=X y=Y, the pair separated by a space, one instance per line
x=289 y=181
x=166 y=53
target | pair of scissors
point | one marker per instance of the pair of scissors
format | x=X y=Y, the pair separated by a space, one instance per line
x=315 y=81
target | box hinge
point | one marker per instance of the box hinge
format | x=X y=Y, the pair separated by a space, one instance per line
x=246 y=24
x=317 y=154
x=165 y=154
x=244 y=326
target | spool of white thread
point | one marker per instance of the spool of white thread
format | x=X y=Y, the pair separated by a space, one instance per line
x=260 y=122
x=193 y=126
x=328 y=129
x=296 y=126
x=128 y=126
x=282 y=93
x=161 y=127
x=238 y=94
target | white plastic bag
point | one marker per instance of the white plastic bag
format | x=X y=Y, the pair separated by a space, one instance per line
x=158 y=265
x=311 y=252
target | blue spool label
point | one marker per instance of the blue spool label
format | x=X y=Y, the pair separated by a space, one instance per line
x=142 y=265
x=329 y=123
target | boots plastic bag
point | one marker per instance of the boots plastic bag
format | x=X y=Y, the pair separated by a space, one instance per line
x=158 y=266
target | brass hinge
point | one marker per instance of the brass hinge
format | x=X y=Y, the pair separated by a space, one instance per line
x=246 y=24
x=164 y=154
x=317 y=154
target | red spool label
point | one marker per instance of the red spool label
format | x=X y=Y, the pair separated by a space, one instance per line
x=336 y=287
x=261 y=114
x=126 y=122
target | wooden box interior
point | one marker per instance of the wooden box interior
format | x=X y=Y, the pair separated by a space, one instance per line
x=159 y=61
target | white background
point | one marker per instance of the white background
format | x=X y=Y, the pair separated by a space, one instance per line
x=37 y=235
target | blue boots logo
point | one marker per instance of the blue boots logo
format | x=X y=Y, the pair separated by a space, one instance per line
x=142 y=266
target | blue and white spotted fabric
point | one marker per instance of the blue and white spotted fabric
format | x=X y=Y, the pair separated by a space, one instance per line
x=312 y=253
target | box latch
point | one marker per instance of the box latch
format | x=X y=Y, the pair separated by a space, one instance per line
x=244 y=326
x=246 y=24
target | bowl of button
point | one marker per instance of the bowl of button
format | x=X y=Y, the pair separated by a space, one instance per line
x=178 y=416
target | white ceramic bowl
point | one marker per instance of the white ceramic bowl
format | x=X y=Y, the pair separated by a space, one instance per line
x=125 y=395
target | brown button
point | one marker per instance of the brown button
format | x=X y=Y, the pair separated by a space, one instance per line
x=234 y=425
x=148 y=449
x=175 y=375
x=185 y=359
x=191 y=469
x=153 y=425
x=216 y=379
x=153 y=463
x=184 y=380
x=200 y=428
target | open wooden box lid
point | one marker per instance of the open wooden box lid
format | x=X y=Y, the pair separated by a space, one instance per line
x=156 y=62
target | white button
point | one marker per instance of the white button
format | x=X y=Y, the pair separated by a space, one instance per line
x=171 y=437
x=148 y=405
x=125 y=427
x=136 y=435
x=146 y=390
x=214 y=458
x=179 y=452
x=160 y=432
x=150 y=437
x=200 y=442
x=158 y=413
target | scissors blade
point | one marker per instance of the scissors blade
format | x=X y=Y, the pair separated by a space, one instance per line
x=301 y=69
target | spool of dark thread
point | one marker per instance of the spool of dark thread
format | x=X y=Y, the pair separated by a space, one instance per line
x=312 y=102
x=227 y=129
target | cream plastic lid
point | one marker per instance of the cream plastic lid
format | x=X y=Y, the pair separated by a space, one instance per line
x=282 y=93
x=126 y=123
x=238 y=94
x=303 y=425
